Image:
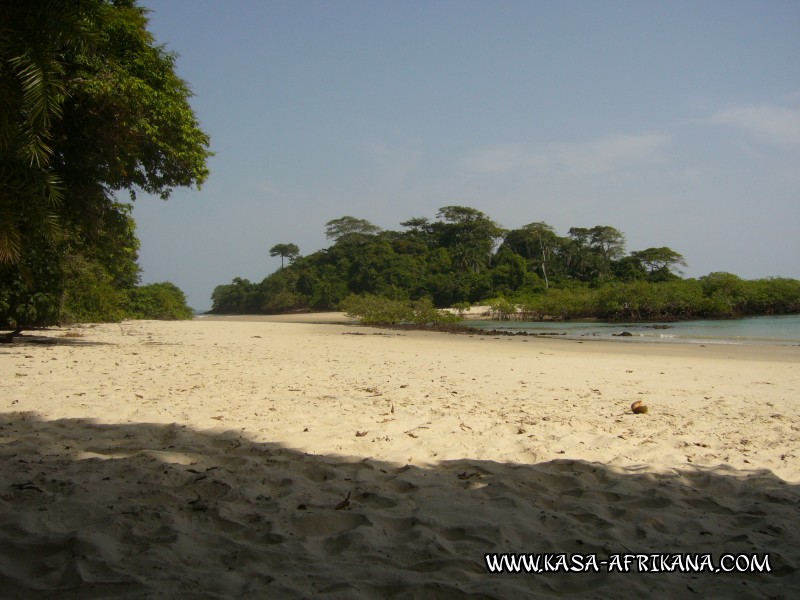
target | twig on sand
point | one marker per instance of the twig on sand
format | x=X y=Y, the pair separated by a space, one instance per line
x=344 y=503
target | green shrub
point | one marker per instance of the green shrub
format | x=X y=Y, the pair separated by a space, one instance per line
x=31 y=291
x=164 y=301
x=461 y=307
x=557 y=304
x=90 y=295
x=503 y=310
x=424 y=313
x=374 y=310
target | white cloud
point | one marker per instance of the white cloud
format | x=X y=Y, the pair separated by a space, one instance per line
x=773 y=125
x=580 y=159
x=611 y=154
x=393 y=158
x=505 y=158
x=267 y=187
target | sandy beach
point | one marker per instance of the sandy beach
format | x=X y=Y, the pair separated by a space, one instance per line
x=305 y=456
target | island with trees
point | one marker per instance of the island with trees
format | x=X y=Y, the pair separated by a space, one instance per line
x=463 y=257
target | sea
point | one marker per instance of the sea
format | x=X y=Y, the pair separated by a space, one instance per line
x=781 y=330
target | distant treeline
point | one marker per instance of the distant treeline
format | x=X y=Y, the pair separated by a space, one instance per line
x=717 y=295
x=464 y=257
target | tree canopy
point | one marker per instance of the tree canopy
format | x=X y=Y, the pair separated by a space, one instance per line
x=343 y=227
x=290 y=251
x=90 y=105
x=451 y=260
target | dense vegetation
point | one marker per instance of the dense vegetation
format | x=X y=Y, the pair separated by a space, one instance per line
x=532 y=272
x=90 y=106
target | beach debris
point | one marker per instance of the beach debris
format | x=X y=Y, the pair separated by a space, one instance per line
x=639 y=407
x=344 y=503
x=361 y=433
x=198 y=505
x=466 y=475
x=410 y=434
x=28 y=485
x=218 y=417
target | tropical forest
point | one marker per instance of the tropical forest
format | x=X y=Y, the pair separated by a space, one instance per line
x=90 y=107
x=462 y=257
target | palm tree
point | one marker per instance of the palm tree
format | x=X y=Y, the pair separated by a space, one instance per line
x=32 y=93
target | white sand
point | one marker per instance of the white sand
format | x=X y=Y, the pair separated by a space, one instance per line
x=272 y=459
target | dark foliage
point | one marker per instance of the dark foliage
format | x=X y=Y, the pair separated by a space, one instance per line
x=90 y=105
x=464 y=257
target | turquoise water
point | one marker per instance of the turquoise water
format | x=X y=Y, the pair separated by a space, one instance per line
x=783 y=330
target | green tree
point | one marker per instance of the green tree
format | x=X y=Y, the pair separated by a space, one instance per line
x=347 y=226
x=417 y=224
x=290 y=251
x=163 y=301
x=609 y=244
x=469 y=235
x=32 y=93
x=726 y=292
x=238 y=297
x=89 y=105
x=536 y=242
x=578 y=255
x=590 y=253
x=420 y=232
x=629 y=268
x=659 y=262
x=509 y=271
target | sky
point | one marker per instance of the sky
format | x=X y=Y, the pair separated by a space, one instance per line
x=676 y=122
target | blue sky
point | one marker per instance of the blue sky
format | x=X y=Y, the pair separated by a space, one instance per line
x=676 y=122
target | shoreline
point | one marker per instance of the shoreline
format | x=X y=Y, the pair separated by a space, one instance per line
x=339 y=318
x=239 y=452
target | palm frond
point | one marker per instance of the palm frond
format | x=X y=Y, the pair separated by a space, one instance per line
x=42 y=98
x=10 y=238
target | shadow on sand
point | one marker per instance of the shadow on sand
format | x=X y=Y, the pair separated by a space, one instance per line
x=48 y=339
x=162 y=511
